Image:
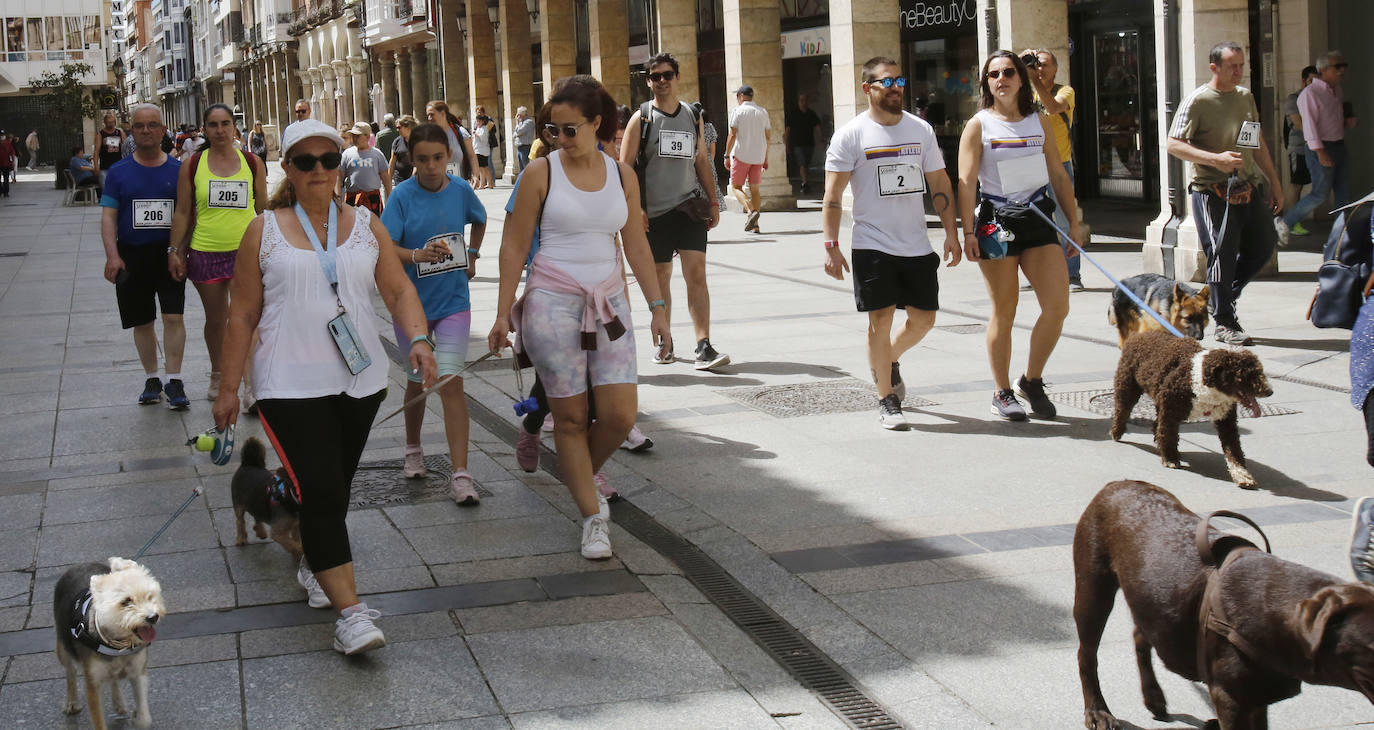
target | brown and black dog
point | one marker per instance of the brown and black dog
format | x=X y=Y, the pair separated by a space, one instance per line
x=1296 y=624
x=263 y=495
x=1183 y=307
x=1187 y=382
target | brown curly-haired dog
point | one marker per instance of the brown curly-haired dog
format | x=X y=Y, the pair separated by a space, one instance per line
x=1186 y=382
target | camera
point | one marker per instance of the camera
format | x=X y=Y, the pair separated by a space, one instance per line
x=1031 y=60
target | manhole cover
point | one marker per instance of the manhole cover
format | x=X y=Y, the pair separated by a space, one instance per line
x=809 y=399
x=1104 y=402
x=380 y=483
x=961 y=329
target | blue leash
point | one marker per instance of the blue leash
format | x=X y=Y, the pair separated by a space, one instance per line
x=194 y=493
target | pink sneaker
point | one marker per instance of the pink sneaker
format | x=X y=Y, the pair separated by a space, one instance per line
x=548 y=425
x=527 y=451
x=636 y=442
x=414 y=466
x=460 y=487
x=604 y=488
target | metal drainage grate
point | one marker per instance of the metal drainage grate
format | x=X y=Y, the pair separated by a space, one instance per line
x=809 y=399
x=962 y=329
x=1311 y=383
x=1104 y=402
x=380 y=483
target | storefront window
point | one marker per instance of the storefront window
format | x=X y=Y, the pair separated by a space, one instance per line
x=940 y=61
x=1120 y=160
x=35 y=34
x=54 y=32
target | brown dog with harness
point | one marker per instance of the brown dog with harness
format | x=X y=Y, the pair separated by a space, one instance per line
x=1214 y=607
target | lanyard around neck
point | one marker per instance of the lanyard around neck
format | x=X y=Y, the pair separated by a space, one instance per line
x=327 y=257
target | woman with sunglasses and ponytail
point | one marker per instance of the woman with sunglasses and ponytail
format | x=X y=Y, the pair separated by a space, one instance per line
x=220 y=190
x=462 y=160
x=573 y=321
x=426 y=217
x=307 y=273
x=1008 y=162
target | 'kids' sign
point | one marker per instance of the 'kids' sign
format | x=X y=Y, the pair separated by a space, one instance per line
x=922 y=19
x=806 y=42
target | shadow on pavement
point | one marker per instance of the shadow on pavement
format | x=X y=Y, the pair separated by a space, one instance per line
x=1326 y=345
x=1213 y=464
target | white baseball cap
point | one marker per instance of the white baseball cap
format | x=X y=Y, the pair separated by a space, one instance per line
x=305 y=129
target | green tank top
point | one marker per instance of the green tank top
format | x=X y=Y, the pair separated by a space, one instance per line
x=224 y=206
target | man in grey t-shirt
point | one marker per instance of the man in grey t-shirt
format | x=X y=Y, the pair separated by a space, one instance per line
x=363 y=168
x=524 y=137
x=1298 y=175
x=673 y=164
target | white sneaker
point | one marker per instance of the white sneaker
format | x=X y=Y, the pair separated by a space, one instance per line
x=315 y=594
x=596 y=538
x=1281 y=228
x=356 y=633
x=636 y=441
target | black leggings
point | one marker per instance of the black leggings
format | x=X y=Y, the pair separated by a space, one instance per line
x=535 y=419
x=320 y=441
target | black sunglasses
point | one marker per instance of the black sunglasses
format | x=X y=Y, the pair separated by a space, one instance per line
x=887 y=83
x=306 y=163
x=569 y=130
x=662 y=76
x=1005 y=73
x=302 y=111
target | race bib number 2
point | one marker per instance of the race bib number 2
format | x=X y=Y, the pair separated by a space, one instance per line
x=902 y=178
x=1249 y=137
x=231 y=194
x=673 y=143
x=152 y=214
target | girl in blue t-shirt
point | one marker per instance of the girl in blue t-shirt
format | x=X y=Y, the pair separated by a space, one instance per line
x=425 y=216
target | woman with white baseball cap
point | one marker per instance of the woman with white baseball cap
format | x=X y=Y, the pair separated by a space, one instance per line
x=306 y=273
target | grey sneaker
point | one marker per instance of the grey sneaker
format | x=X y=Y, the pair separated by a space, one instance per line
x=1362 y=540
x=1232 y=336
x=1034 y=392
x=1281 y=228
x=357 y=633
x=708 y=358
x=1075 y=286
x=316 y=597
x=890 y=413
x=1004 y=404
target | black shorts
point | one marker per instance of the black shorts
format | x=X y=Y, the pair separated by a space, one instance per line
x=882 y=280
x=483 y=160
x=1298 y=174
x=675 y=231
x=147 y=277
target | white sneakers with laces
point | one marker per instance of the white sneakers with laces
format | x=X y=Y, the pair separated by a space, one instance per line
x=315 y=594
x=356 y=632
x=596 y=537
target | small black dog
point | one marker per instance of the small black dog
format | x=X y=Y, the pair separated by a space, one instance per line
x=268 y=498
x=1183 y=307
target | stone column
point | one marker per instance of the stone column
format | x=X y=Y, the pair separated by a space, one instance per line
x=677 y=33
x=362 y=108
x=345 y=87
x=610 y=46
x=859 y=30
x=558 y=42
x=316 y=96
x=246 y=95
x=481 y=49
x=294 y=86
x=327 y=96
x=515 y=77
x=454 y=54
x=1035 y=24
x=419 y=80
x=1210 y=23
x=389 y=84
x=752 y=31
x=406 y=97
x=274 y=92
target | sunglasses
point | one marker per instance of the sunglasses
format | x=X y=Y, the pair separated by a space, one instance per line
x=887 y=83
x=662 y=76
x=1005 y=73
x=299 y=112
x=568 y=130
x=306 y=163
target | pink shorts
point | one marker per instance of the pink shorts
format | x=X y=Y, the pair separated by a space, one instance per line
x=739 y=171
x=210 y=267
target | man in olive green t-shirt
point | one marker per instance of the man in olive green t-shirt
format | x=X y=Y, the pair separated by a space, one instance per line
x=1217 y=129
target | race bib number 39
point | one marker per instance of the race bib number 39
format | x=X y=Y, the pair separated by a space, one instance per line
x=1249 y=138
x=458 y=261
x=232 y=194
x=901 y=178
x=152 y=214
x=673 y=143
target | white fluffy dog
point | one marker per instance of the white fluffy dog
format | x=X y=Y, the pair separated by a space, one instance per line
x=104 y=615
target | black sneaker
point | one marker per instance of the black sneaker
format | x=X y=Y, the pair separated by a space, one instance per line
x=1004 y=404
x=176 y=396
x=898 y=387
x=708 y=358
x=152 y=392
x=890 y=413
x=1034 y=391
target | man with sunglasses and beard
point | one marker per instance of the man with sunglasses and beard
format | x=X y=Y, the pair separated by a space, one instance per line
x=672 y=164
x=892 y=158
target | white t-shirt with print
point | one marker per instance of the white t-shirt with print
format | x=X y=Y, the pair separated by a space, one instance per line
x=887 y=166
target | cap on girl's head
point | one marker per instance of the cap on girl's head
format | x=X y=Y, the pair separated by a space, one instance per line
x=305 y=129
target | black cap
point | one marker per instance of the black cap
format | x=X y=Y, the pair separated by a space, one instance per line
x=745 y=89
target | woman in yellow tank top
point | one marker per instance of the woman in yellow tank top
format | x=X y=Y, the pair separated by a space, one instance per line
x=217 y=197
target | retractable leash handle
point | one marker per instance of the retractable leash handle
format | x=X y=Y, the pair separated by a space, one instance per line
x=1129 y=294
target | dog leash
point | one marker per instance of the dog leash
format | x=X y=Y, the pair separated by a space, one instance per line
x=430 y=390
x=1115 y=282
x=199 y=490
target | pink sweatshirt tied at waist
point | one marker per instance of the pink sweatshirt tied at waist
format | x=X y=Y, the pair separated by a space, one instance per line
x=596 y=302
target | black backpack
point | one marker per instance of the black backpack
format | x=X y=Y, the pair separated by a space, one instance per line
x=493 y=139
x=646 y=118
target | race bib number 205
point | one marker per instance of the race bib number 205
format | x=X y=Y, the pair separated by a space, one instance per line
x=231 y=194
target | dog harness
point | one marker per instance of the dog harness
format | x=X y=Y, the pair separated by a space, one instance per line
x=81 y=629
x=1213 y=613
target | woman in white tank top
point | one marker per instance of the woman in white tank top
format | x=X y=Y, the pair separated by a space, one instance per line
x=1006 y=154
x=573 y=320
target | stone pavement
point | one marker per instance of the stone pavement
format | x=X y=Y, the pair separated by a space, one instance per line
x=932 y=566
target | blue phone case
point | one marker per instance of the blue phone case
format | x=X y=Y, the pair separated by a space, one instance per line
x=346 y=339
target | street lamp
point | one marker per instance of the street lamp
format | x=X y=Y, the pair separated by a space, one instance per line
x=463 y=22
x=494 y=15
x=532 y=7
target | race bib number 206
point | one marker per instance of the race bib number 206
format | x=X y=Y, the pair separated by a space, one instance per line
x=229 y=194
x=152 y=214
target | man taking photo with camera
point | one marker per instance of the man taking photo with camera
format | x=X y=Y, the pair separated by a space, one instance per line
x=1058 y=101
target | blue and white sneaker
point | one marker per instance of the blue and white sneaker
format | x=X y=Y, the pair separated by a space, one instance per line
x=1362 y=540
x=152 y=392
x=176 y=396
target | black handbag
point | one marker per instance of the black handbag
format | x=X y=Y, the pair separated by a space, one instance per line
x=1341 y=279
x=1017 y=221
